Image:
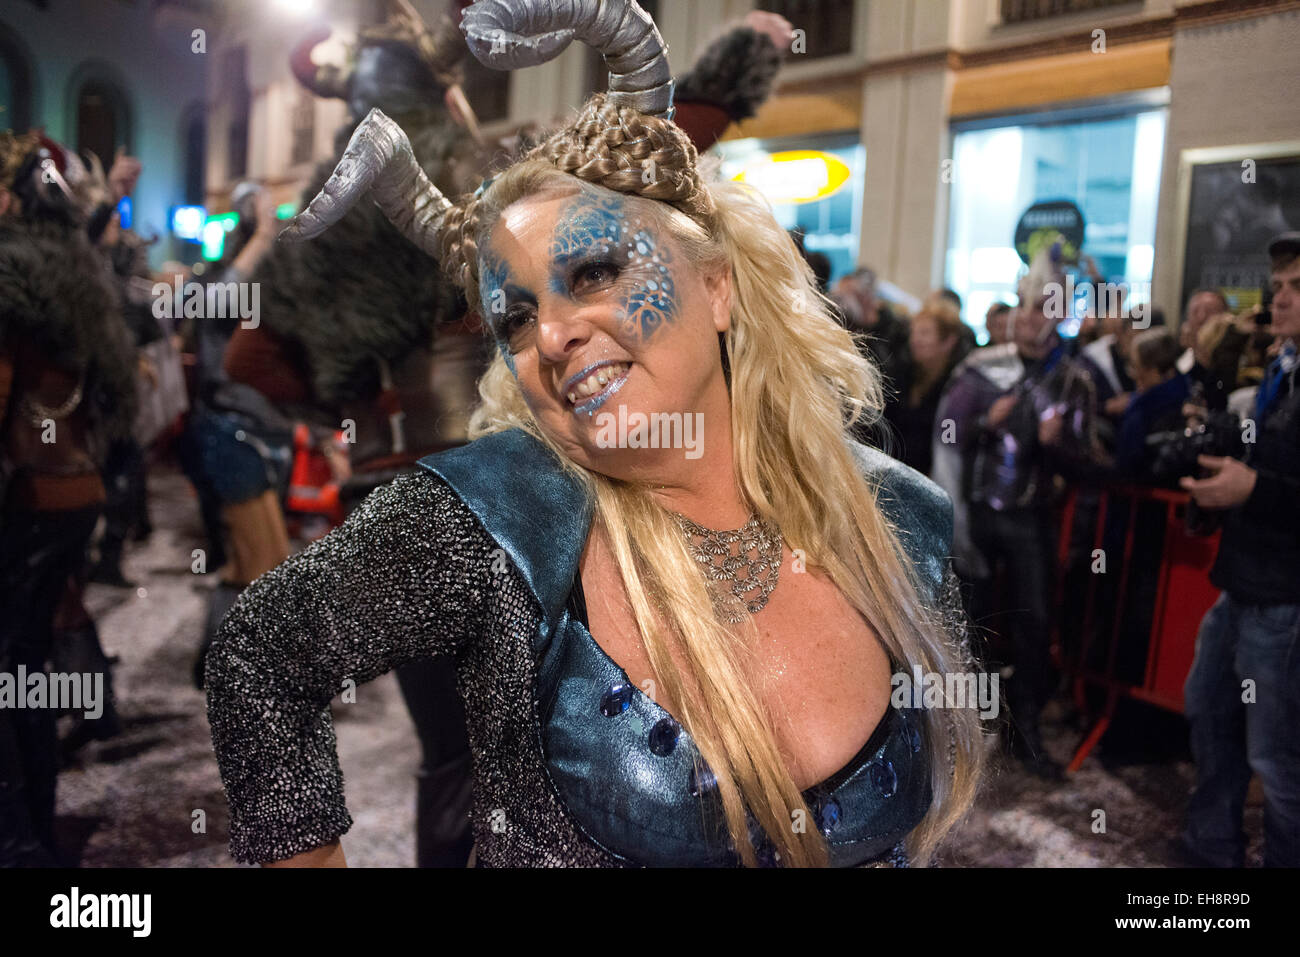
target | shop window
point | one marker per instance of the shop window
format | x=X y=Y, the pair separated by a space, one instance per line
x=1108 y=165
x=827 y=24
x=1017 y=11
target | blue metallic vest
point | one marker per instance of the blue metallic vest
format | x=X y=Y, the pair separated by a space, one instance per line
x=633 y=779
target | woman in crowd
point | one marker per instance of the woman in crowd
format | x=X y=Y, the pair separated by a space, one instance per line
x=933 y=352
x=668 y=655
x=1156 y=410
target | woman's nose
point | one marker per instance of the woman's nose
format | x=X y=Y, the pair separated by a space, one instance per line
x=560 y=333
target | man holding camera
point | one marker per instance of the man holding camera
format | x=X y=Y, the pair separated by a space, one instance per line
x=1243 y=692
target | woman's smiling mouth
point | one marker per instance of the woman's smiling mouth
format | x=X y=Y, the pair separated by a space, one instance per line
x=592 y=387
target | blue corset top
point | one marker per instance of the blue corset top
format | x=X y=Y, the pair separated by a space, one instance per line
x=636 y=784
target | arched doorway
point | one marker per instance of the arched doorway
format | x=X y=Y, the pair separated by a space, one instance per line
x=101 y=112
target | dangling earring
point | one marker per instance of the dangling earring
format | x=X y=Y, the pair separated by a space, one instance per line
x=726 y=360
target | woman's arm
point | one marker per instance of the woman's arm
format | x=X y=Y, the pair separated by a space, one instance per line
x=330 y=855
x=408 y=575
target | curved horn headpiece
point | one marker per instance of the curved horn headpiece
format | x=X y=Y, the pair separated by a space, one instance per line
x=378 y=159
x=508 y=34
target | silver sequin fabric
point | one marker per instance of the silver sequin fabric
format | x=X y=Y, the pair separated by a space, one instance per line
x=410 y=574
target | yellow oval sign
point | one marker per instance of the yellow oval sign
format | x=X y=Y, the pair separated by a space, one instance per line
x=796 y=176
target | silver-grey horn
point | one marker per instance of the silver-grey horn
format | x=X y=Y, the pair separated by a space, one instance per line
x=508 y=34
x=378 y=160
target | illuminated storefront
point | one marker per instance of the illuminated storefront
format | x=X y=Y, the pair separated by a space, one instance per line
x=1107 y=159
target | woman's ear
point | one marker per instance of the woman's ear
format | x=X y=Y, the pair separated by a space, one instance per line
x=718 y=285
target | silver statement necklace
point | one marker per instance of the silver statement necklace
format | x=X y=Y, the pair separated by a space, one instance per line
x=742 y=566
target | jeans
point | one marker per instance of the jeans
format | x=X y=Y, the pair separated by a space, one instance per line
x=1023 y=540
x=1232 y=738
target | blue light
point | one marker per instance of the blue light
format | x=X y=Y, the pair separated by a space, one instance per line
x=187 y=221
x=124 y=212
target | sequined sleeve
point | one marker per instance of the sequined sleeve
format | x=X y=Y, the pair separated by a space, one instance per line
x=406 y=576
x=952 y=612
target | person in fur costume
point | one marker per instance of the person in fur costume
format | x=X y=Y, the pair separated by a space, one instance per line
x=67 y=389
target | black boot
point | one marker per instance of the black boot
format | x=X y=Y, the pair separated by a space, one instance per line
x=20 y=845
x=78 y=651
x=442 y=809
x=223 y=597
x=27 y=818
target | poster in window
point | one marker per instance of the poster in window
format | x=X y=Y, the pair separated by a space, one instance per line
x=1235 y=208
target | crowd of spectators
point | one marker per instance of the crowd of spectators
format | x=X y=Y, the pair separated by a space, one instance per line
x=1013 y=426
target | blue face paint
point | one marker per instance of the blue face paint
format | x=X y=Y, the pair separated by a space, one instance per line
x=590 y=224
x=654 y=302
x=494 y=277
x=595 y=229
x=506 y=354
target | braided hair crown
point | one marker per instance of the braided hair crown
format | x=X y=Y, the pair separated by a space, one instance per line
x=609 y=145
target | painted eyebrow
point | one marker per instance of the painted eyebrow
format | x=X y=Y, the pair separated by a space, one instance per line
x=593 y=253
x=516 y=293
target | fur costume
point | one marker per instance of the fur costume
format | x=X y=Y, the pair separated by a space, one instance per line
x=364 y=297
x=736 y=72
x=56 y=292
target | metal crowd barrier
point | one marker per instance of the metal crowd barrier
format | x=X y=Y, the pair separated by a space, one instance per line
x=1183 y=594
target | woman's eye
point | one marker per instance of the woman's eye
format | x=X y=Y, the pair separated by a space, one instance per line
x=515 y=317
x=595 y=274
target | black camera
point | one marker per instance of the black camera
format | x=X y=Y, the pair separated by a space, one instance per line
x=1212 y=433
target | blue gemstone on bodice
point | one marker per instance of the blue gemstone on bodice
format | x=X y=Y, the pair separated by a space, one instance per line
x=828 y=816
x=616 y=700
x=913 y=736
x=663 y=737
x=883 y=777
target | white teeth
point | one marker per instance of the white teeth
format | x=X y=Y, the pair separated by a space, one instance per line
x=597 y=381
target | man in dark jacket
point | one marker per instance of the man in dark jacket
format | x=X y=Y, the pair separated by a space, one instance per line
x=1243 y=692
x=1013 y=419
x=883 y=336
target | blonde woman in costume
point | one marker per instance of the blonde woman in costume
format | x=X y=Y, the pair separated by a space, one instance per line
x=675 y=648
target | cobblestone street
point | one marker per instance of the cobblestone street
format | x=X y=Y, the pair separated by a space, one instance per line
x=130 y=801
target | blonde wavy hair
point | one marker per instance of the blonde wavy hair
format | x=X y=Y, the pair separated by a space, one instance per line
x=797 y=383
